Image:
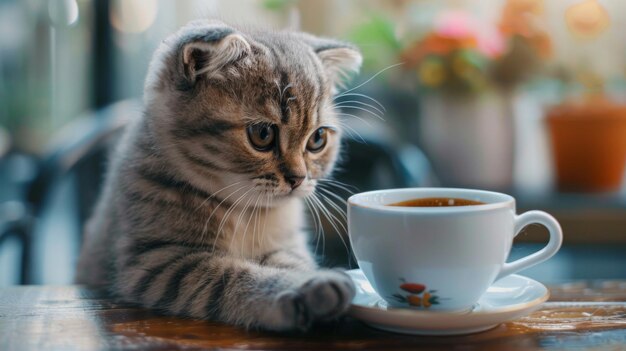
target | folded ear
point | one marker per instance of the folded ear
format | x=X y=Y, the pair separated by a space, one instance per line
x=207 y=47
x=340 y=59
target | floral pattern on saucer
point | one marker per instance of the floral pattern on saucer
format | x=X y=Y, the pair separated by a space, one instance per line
x=417 y=295
x=509 y=298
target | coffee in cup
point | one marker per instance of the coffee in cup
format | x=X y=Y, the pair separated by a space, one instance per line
x=436 y=202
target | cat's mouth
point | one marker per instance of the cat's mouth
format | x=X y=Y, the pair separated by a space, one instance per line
x=299 y=192
x=304 y=190
x=293 y=193
x=270 y=186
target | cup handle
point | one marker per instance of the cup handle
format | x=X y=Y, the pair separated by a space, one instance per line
x=556 y=239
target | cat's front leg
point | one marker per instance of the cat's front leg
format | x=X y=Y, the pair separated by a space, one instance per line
x=292 y=258
x=180 y=281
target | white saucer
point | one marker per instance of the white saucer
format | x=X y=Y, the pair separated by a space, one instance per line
x=508 y=298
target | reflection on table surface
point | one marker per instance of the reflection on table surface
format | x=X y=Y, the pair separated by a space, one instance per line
x=584 y=315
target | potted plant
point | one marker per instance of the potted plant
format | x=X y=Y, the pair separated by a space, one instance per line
x=467 y=76
x=588 y=132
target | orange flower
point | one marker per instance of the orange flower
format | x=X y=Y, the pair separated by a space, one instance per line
x=519 y=18
x=518 y=15
x=414 y=300
x=426 y=300
x=435 y=44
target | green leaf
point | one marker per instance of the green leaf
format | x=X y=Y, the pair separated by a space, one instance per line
x=276 y=5
x=399 y=297
x=377 y=40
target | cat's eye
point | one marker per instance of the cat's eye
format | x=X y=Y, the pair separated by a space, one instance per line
x=262 y=136
x=317 y=140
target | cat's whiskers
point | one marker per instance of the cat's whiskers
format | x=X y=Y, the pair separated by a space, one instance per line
x=337 y=184
x=227 y=213
x=347 y=104
x=352 y=104
x=257 y=232
x=241 y=215
x=320 y=210
x=332 y=218
x=368 y=80
x=217 y=192
x=339 y=210
x=243 y=211
x=322 y=232
x=364 y=121
x=319 y=213
x=306 y=203
x=269 y=203
x=232 y=209
x=333 y=222
x=319 y=230
x=206 y=223
x=264 y=217
x=343 y=111
x=330 y=191
x=363 y=96
x=208 y=220
x=250 y=215
x=341 y=108
x=352 y=132
x=338 y=198
x=257 y=215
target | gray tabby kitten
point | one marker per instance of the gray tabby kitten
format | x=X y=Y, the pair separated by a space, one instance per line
x=201 y=214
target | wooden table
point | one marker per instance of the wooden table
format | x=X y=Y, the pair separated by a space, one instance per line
x=585 y=315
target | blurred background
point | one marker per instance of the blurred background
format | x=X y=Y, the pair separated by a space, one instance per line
x=520 y=96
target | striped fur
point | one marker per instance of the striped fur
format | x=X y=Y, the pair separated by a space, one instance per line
x=195 y=221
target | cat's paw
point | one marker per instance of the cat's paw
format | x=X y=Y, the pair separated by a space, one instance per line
x=328 y=294
x=323 y=296
x=292 y=312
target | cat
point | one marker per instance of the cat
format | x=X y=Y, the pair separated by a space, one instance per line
x=202 y=210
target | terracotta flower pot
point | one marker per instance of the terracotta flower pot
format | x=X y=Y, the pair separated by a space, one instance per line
x=589 y=145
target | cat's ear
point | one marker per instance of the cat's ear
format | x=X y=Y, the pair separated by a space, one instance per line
x=206 y=47
x=340 y=60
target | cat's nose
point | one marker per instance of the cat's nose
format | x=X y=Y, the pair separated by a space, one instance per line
x=294 y=180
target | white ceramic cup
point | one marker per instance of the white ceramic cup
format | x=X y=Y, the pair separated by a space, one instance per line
x=440 y=258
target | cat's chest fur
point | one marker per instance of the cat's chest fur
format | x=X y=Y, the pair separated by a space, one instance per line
x=256 y=232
